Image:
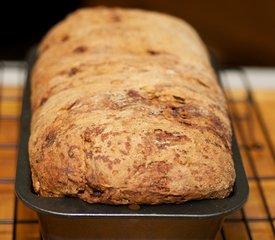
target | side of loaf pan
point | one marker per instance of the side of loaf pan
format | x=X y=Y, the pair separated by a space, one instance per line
x=72 y=218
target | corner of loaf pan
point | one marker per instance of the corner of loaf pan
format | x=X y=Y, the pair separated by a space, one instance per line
x=139 y=86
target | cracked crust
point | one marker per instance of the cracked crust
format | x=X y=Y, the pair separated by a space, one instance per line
x=126 y=109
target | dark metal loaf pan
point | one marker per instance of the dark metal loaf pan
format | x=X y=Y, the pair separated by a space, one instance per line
x=72 y=218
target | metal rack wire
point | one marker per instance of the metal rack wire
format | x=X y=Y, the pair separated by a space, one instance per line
x=246 y=121
x=256 y=220
x=13 y=215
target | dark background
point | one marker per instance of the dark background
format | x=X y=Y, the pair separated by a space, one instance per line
x=238 y=32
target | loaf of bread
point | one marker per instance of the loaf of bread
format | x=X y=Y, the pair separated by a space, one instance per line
x=127 y=109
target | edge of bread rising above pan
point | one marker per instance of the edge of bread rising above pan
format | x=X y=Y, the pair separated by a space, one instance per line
x=127 y=109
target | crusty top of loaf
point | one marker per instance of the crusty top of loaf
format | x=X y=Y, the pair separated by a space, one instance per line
x=127 y=109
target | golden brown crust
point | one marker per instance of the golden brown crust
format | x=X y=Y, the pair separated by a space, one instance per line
x=126 y=109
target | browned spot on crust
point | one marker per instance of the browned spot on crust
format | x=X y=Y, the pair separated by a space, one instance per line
x=186 y=111
x=43 y=100
x=87 y=136
x=117 y=161
x=187 y=123
x=201 y=83
x=50 y=138
x=153 y=52
x=216 y=121
x=179 y=99
x=180 y=157
x=65 y=38
x=127 y=146
x=165 y=138
x=123 y=152
x=134 y=94
x=147 y=147
x=162 y=167
x=73 y=71
x=72 y=105
x=219 y=130
x=90 y=133
x=108 y=103
x=139 y=169
x=97 y=149
x=108 y=162
x=72 y=126
x=164 y=135
x=116 y=18
x=89 y=154
x=102 y=158
x=159 y=185
x=80 y=49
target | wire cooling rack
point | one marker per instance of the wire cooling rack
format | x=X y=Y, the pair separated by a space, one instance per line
x=16 y=221
x=256 y=220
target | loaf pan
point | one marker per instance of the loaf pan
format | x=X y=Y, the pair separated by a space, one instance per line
x=72 y=218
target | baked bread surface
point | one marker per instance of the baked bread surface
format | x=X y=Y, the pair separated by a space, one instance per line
x=127 y=109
